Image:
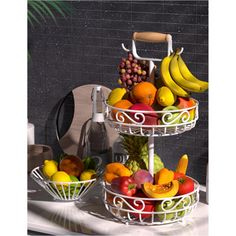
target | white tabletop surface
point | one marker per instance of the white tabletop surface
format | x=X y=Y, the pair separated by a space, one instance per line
x=89 y=217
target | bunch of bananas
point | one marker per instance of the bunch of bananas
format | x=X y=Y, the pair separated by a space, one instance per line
x=176 y=75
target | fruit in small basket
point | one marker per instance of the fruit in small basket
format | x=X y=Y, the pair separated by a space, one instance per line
x=124 y=185
x=72 y=165
x=165 y=97
x=74 y=179
x=71 y=191
x=164 y=176
x=138 y=204
x=161 y=191
x=182 y=164
x=49 y=168
x=122 y=104
x=144 y=92
x=115 y=95
x=87 y=175
x=76 y=185
x=144 y=118
x=89 y=163
x=114 y=170
x=142 y=176
x=162 y=207
x=61 y=176
x=183 y=103
x=186 y=184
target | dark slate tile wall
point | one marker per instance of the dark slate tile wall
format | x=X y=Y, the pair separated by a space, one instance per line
x=85 y=47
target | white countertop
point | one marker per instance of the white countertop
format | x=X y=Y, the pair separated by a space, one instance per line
x=89 y=216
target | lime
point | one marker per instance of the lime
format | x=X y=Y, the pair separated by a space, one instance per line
x=89 y=163
x=49 y=168
x=74 y=179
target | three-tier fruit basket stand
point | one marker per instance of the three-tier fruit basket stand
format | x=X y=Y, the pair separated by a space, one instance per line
x=133 y=210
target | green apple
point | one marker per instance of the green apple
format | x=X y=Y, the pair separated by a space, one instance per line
x=185 y=202
x=167 y=205
x=172 y=117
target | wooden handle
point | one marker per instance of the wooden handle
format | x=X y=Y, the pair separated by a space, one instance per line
x=151 y=37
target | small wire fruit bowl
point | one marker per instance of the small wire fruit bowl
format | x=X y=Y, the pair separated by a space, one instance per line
x=150 y=211
x=168 y=122
x=64 y=191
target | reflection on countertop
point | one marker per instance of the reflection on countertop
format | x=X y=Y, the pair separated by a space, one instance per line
x=89 y=216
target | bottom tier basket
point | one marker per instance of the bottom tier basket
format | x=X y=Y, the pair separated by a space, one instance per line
x=63 y=191
x=150 y=211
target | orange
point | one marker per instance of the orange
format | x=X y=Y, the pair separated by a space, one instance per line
x=123 y=104
x=144 y=92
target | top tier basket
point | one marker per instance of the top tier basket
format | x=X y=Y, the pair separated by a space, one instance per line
x=171 y=122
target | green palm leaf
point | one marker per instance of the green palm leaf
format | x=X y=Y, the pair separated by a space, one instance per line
x=57 y=7
x=47 y=10
x=31 y=16
x=40 y=9
x=37 y=8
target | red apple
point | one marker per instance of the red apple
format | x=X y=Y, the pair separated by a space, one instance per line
x=149 y=206
x=150 y=118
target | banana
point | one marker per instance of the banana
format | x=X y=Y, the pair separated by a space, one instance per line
x=189 y=76
x=168 y=81
x=179 y=79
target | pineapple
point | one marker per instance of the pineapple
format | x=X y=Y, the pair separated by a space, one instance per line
x=137 y=150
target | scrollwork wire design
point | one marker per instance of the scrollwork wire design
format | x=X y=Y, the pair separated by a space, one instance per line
x=120 y=207
x=132 y=122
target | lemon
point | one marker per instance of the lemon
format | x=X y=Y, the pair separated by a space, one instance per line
x=49 y=168
x=165 y=97
x=87 y=175
x=61 y=176
x=116 y=95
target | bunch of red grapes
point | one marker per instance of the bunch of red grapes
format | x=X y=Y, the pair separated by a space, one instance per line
x=132 y=71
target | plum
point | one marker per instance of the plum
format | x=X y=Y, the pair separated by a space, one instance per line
x=142 y=176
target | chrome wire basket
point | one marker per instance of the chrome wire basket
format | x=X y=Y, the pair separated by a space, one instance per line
x=150 y=211
x=63 y=191
x=169 y=122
